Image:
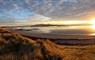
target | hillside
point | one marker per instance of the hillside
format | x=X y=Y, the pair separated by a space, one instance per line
x=14 y=46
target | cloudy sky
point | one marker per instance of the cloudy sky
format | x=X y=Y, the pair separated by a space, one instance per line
x=25 y=10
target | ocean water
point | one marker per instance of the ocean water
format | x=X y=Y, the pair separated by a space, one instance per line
x=58 y=32
x=66 y=30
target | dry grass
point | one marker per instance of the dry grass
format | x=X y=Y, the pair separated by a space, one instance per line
x=14 y=46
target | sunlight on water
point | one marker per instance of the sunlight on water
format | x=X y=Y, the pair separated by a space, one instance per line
x=71 y=28
x=92 y=27
x=93 y=23
x=93 y=34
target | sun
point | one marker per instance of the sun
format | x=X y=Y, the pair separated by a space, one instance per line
x=93 y=23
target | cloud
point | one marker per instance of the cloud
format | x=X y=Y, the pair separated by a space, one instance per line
x=51 y=8
x=63 y=8
x=71 y=1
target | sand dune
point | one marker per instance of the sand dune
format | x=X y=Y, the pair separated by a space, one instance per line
x=14 y=46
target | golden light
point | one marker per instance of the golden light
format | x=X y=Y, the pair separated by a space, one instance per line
x=93 y=34
x=93 y=23
x=92 y=26
x=67 y=22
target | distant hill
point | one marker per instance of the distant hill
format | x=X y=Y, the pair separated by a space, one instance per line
x=45 y=25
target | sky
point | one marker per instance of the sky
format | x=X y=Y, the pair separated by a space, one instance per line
x=13 y=11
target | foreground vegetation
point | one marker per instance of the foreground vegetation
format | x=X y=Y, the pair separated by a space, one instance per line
x=14 y=46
